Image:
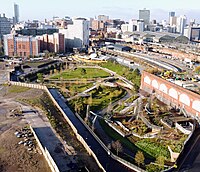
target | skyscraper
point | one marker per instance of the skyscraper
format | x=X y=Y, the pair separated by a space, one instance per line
x=172 y=14
x=144 y=15
x=16 y=13
x=181 y=23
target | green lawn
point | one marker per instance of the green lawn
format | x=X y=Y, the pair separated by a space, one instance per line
x=132 y=75
x=78 y=88
x=99 y=98
x=153 y=148
x=115 y=67
x=78 y=74
x=115 y=136
x=17 y=89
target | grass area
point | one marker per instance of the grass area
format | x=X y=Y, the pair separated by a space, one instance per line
x=115 y=67
x=125 y=142
x=130 y=74
x=99 y=98
x=17 y=89
x=114 y=135
x=36 y=64
x=154 y=148
x=121 y=105
x=81 y=74
x=78 y=88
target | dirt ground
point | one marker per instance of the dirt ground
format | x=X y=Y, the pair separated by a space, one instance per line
x=15 y=157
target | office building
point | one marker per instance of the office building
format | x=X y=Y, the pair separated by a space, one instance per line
x=5 y=25
x=171 y=14
x=124 y=27
x=193 y=33
x=173 y=21
x=16 y=13
x=144 y=15
x=140 y=25
x=132 y=25
x=76 y=34
x=103 y=18
x=181 y=23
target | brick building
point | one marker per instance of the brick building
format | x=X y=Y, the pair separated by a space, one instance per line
x=171 y=93
x=21 y=46
x=24 y=46
x=53 y=43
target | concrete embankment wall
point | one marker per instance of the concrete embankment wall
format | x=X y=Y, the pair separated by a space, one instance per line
x=45 y=152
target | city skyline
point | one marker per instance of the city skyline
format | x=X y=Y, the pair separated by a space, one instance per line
x=90 y=8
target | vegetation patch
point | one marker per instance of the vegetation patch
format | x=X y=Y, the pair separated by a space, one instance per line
x=80 y=73
x=153 y=147
x=130 y=74
x=17 y=89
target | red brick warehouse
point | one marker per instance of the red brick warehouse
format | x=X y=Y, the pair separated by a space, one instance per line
x=171 y=93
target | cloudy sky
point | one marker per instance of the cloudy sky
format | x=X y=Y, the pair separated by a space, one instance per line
x=124 y=9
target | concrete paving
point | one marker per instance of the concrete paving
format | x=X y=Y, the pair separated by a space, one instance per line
x=47 y=137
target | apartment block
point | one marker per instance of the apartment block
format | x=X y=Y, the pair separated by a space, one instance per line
x=22 y=46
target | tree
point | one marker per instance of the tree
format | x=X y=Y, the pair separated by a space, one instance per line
x=161 y=162
x=139 y=158
x=136 y=72
x=152 y=168
x=40 y=77
x=83 y=71
x=197 y=69
x=117 y=146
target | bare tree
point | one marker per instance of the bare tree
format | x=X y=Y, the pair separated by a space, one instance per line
x=117 y=146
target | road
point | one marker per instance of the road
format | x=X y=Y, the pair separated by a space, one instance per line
x=109 y=164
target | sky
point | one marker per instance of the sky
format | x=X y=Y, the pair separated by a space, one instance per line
x=124 y=9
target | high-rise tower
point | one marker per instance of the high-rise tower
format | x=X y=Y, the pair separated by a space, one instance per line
x=16 y=13
x=144 y=15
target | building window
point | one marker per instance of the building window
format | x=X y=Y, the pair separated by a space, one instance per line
x=24 y=53
x=20 y=54
x=11 y=46
x=19 y=46
x=23 y=47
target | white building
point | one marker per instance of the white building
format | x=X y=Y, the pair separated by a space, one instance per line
x=132 y=25
x=5 y=25
x=76 y=34
x=124 y=27
x=181 y=23
x=140 y=25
